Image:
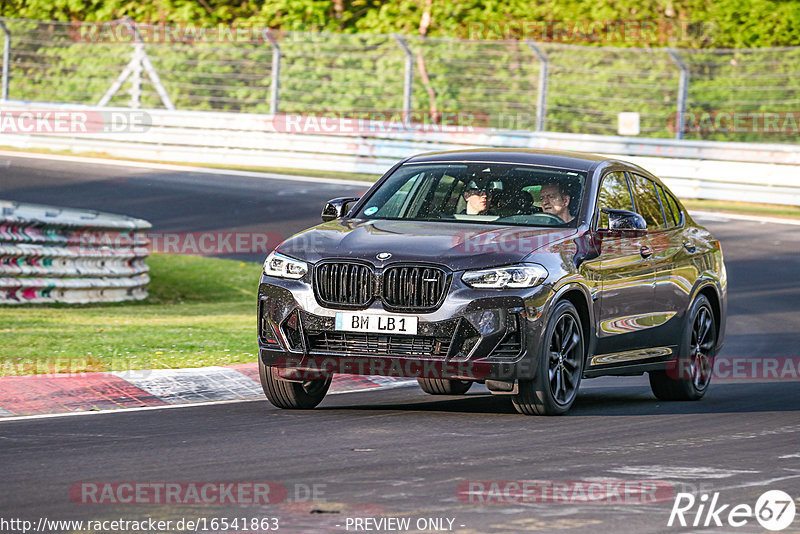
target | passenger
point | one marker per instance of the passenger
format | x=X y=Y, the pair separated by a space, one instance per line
x=555 y=201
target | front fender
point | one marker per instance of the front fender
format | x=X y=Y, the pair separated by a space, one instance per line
x=576 y=291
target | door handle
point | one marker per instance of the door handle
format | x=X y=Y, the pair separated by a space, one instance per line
x=689 y=246
x=646 y=251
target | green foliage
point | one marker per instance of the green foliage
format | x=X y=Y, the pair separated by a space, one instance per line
x=733 y=23
x=352 y=64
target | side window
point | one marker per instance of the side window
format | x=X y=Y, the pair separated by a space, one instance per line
x=674 y=207
x=648 y=204
x=440 y=196
x=614 y=194
x=443 y=195
x=394 y=206
x=672 y=219
x=669 y=219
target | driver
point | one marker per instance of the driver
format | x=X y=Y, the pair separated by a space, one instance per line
x=555 y=201
x=478 y=197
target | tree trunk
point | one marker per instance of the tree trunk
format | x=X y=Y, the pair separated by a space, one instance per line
x=424 y=24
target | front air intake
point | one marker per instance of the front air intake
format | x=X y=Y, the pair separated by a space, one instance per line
x=413 y=287
x=344 y=284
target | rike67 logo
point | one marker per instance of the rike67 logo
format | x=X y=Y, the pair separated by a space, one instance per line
x=774 y=510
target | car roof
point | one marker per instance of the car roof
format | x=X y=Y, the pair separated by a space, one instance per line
x=569 y=160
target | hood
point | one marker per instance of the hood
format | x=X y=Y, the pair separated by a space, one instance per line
x=458 y=246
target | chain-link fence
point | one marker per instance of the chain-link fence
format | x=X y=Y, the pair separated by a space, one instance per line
x=733 y=95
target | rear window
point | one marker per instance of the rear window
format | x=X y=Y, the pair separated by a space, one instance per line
x=674 y=208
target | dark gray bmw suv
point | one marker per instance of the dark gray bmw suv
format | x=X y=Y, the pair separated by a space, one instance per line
x=523 y=270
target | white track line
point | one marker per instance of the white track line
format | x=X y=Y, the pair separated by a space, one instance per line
x=120 y=410
x=185 y=405
x=181 y=168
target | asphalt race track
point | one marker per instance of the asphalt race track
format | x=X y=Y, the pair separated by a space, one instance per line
x=401 y=453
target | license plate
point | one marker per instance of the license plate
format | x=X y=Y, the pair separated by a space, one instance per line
x=372 y=322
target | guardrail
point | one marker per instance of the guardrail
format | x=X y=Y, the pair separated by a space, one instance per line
x=50 y=254
x=694 y=169
x=543 y=84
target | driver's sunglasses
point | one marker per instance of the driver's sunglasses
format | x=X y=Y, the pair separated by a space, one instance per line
x=483 y=192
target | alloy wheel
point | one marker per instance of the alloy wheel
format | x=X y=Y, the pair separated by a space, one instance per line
x=565 y=354
x=700 y=347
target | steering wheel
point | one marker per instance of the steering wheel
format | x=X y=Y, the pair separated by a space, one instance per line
x=549 y=218
x=544 y=219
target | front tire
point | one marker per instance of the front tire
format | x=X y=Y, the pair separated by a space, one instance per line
x=291 y=395
x=560 y=369
x=442 y=386
x=688 y=377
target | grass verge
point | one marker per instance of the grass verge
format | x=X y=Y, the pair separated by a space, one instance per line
x=744 y=208
x=200 y=312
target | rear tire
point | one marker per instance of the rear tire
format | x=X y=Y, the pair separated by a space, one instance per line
x=688 y=377
x=291 y=395
x=442 y=386
x=560 y=368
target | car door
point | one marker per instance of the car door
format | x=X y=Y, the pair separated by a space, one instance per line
x=674 y=270
x=624 y=276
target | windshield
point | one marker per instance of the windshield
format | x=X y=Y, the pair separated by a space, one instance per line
x=494 y=193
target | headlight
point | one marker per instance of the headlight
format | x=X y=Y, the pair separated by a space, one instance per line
x=513 y=276
x=282 y=266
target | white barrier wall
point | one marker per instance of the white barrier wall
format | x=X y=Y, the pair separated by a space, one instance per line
x=50 y=254
x=693 y=169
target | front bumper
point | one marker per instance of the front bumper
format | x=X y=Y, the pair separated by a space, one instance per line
x=473 y=335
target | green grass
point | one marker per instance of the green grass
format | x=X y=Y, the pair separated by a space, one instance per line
x=744 y=208
x=295 y=172
x=200 y=312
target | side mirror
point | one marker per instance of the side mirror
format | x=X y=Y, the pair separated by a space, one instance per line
x=336 y=208
x=624 y=220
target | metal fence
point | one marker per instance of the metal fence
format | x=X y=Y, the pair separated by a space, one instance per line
x=519 y=85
